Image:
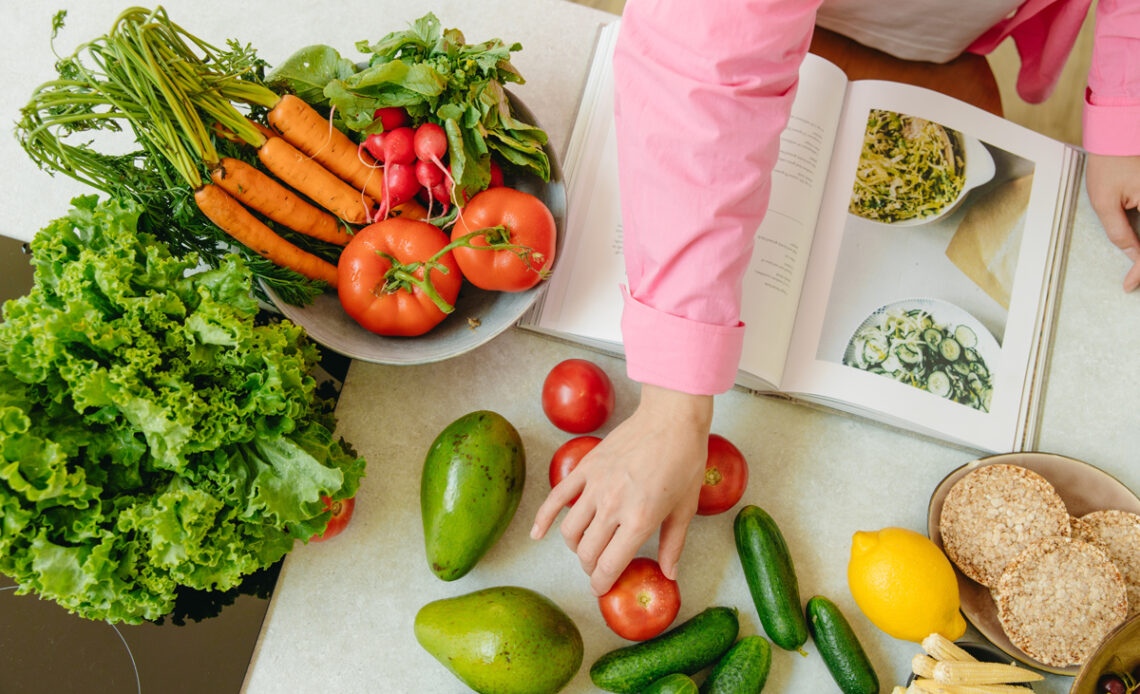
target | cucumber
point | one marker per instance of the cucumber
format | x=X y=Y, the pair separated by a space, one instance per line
x=677 y=683
x=743 y=670
x=844 y=655
x=771 y=578
x=694 y=644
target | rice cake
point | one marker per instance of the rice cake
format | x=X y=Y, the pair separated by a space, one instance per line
x=1118 y=534
x=993 y=513
x=1059 y=598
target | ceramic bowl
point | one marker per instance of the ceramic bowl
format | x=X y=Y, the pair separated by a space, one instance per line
x=1083 y=487
x=479 y=315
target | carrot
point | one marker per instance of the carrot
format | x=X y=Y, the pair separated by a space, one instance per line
x=309 y=177
x=229 y=215
x=265 y=195
x=307 y=130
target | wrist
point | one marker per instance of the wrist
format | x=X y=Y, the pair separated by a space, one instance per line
x=677 y=407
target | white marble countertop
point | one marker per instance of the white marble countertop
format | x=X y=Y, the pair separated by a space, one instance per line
x=341 y=616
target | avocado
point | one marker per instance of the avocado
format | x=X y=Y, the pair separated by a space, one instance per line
x=502 y=640
x=470 y=489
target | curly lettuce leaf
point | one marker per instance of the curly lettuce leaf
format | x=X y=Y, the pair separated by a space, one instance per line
x=152 y=434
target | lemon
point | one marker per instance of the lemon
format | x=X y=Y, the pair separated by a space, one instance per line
x=904 y=584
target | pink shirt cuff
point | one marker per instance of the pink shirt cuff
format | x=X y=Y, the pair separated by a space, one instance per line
x=678 y=353
x=1111 y=127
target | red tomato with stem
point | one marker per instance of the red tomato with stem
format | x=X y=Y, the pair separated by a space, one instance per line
x=726 y=477
x=642 y=602
x=577 y=396
x=567 y=457
x=509 y=237
x=341 y=515
x=383 y=277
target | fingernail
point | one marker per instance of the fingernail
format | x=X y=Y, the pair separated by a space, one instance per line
x=534 y=531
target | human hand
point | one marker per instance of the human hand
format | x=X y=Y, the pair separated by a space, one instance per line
x=646 y=474
x=1114 y=187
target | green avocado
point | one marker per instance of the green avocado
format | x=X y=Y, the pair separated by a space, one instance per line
x=469 y=491
x=503 y=640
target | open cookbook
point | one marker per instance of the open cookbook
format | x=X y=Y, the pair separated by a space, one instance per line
x=907 y=269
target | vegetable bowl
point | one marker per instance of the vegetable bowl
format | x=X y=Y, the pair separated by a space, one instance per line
x=479 y=315
x=913 y=171
x=930 y=344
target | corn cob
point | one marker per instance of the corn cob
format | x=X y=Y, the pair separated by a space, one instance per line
x=939 y=647
x=923 y=665
x=959 y=672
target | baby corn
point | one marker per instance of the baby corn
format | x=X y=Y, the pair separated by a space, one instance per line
x=959 y=672
x=923 y=665
x=939 y=647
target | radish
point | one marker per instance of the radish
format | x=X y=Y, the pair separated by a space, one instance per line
x=430 y=142
x=402 y=183
x=431 y=145
x=390 y=117
x=496 y=175
x=428 y=174
x=397 y=146
x=374 y=143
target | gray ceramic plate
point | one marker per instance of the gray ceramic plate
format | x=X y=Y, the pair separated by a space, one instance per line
x=1082 y=487
x=479 y=315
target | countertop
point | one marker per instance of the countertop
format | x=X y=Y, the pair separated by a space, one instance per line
x=342 y=613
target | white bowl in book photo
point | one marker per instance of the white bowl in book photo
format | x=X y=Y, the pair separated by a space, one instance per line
x=930 y=344
x=914 y=171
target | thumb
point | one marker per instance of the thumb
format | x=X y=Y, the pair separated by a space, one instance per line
x=673 y=531
x=1120 y=232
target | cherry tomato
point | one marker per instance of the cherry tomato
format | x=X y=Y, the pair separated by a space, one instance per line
x=567 y=457
x=642 y=603
x=341 y=515
x=577 y=396
x=517 y=256
x=382 y=302
x=726 y=477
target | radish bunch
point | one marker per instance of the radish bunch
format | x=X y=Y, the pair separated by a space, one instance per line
x=413 y=161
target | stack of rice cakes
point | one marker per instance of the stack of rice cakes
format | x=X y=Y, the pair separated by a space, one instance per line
x=1060 y=583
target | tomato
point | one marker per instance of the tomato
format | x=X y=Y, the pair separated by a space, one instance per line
x=642 y=602
x=516 y=250
x=341 y=515
x=567 y=457
x=395 y=299
x=577 y=396
x=726 y=477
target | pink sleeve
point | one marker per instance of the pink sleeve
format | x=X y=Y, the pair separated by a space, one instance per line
x=703 y=90
x=1112 y=101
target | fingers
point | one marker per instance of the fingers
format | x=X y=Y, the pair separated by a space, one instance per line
x=594 y=541
x=1132 y=279
x=556 y=500
x=620 y=551
x=672 y=541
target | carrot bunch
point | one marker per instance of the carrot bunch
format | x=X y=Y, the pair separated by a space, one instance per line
x=177 y=94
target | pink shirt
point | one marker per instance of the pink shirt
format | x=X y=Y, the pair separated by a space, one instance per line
x=703 y=91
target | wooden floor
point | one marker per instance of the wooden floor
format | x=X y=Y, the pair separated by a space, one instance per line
x=1058 y=117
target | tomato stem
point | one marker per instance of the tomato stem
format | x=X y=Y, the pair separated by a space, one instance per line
x=400 y=276
x=498 y=238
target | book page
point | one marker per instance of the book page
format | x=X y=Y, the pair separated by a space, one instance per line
x=783 y=241
x=583 y=300
x=935 y=243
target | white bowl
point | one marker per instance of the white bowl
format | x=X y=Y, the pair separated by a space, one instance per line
x=978 y=169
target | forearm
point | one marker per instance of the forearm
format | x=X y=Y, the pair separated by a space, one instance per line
x=703 y=92
x=1112 y=101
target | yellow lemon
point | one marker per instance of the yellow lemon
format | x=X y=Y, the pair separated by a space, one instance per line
x=904 y=584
